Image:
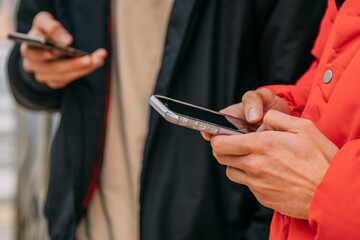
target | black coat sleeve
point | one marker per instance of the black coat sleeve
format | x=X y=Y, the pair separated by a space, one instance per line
x=259 y=224
x=26 y=90
x=286 y=36
x=285 y=39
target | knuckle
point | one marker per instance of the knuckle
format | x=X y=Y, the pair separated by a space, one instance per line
x=261 y=200
x=216 y=144
x=23 y=50
x=231 y=174
x=258 y=190
x=236 y=175
x=214 y=154
x=221 y=160
x=54 y=84
x=266 y=144
x=266 y=93
x=78 y=63
x=248 y=95
x=60 y=82
x=40 y=78
x=40 y=17
x=306 y=124
x=252 y=167
x=27 y=66
x=54 y=26
x=269 y=114
x=51 y=84
x=257 y=169
x=259 y=146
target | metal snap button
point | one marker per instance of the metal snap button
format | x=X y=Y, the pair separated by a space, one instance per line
x=328 y=76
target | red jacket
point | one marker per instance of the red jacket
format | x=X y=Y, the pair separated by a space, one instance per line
x=335 y=109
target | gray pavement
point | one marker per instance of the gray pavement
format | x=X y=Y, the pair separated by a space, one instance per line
x=24 y=149
x=7 y=152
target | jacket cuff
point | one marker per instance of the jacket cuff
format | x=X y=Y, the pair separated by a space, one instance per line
x=334 y=210
x=284 y=92
x=30 y=80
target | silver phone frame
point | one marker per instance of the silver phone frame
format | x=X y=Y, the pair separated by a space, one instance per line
x=189 y=122
x=41 y=43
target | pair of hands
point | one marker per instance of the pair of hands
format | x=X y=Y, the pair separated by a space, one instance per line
x=283 y=162
x=48 y=66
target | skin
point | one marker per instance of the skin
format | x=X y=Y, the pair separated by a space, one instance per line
x=49 y=67
x=283 y=162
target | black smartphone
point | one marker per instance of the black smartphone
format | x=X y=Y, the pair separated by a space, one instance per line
x=41 y=43
x=198 y=118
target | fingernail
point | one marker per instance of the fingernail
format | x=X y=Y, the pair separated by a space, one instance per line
x=65 y=38
x=96 y=62
x=102 y=52
x=253 y=114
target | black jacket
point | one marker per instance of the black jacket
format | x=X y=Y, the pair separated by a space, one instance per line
x=215 y=51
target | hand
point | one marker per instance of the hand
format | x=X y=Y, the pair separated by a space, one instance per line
x=253 y=107
x=282 y=165
x=48 y=66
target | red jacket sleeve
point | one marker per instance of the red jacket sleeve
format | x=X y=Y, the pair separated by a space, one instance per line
x=296 y=95
x=334 y=211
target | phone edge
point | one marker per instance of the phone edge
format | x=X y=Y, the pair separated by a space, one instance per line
x=180 y=120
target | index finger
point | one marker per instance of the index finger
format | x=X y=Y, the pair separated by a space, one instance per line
x=241 y=144
x=52 y=29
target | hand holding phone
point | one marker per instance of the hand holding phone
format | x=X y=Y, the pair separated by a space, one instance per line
x=46 y=60
x=198 y=118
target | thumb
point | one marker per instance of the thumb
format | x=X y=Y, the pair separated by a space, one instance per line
x=52 y=29
x=257 y=103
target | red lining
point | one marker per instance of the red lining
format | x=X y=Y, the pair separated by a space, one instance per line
x=100 y=154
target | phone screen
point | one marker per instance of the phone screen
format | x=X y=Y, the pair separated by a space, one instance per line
x=206 y=115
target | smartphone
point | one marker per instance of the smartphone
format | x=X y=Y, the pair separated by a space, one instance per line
x=198 y=118
x=41 y=43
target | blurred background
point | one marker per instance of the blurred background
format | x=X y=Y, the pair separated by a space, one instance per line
x=24 y=148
